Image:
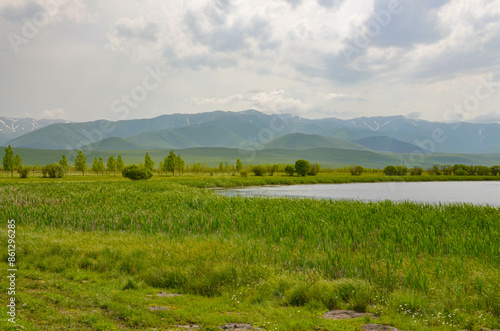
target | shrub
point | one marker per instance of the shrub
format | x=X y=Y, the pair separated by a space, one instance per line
x=402 y=171
x=134 y=172
x=416 y=171
x=24 y=171
x=290 y=170
x=302 y=167
x=356 y=170
x=461 y=172
x=390 y=171
x=495 y=170
x=53 y=170
x=315 y=168
x=243 y=173
x=259 y=170
x=434 y=171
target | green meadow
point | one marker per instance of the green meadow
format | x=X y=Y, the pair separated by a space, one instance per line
x=93 y=252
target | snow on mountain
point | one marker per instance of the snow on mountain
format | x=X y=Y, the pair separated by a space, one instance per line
x=11 y=128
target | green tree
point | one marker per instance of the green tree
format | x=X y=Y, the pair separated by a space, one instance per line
x=290 y=170
x=81 y=162
x=95 y=166
x=101 y=166
x=495 y=170
x=259 y=170
x=356 y=170
x=169 y=162
x=179 y=164
x=18 y=162
x=148 y=162
x=271 y=168
x=390 y=170
x=119 y=163
x=111 y=165
x=24 y=171
x=64 y=163
x=239 y=165
x=8 y=160
x=302 y=167
x=221 y=168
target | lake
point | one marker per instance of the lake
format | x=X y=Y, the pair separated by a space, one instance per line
x=478 y=193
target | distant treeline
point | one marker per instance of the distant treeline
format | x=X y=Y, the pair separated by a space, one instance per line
x=174 y=164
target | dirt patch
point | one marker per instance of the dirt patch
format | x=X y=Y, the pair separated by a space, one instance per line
x=345 y=314
x=168 y=295
x=156 y=308
x=238 y=326
x=378 y=327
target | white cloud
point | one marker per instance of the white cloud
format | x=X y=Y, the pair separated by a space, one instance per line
x=54 y=114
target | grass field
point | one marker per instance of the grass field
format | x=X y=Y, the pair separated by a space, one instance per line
x=93 y=253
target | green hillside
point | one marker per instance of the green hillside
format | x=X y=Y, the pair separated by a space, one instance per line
x=213 y=156
x=298 y=141
x=190 y=137
x=387 y=144
x=113 y=144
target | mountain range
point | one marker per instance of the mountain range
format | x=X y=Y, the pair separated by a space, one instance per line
x=252 y=129
x=11 y=128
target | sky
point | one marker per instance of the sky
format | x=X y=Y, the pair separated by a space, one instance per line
x=77 y=60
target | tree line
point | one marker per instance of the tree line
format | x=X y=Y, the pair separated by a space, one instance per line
x=174 y=164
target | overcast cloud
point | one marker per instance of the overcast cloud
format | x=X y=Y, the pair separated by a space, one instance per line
x=79 y=60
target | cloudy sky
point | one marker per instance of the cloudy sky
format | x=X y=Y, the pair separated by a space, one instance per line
x=83 y=60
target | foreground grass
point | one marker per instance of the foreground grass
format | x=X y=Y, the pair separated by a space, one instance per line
x=100 y=248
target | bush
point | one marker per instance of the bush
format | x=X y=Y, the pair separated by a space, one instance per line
x=259 y=170
x=302 y=167
x=137 y=172
x=290 y=170
x=495 y=170
x=53 y=170
x=461 y=172
x=243 y=173
x=314 y=170
x=402 y=171
x=416 y=171
x=356 y=170
x=24 y=171
x=390 y=171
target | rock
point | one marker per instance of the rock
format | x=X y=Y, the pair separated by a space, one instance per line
x=345 y=314
x=238 y=326
x=155 y=308
x=378 y=327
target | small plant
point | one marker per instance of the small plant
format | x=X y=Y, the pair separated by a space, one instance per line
x=137 y=172
x=390 y=171
x=24 y=171
x=259 y=170
x=356 y=170
x=53 y=170
x=130 y=285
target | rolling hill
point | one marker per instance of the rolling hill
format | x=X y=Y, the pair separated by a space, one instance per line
x=387 y=144
x=298 y=141
x=112 y=144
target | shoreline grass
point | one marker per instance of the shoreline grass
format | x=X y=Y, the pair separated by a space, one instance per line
x=101 y=247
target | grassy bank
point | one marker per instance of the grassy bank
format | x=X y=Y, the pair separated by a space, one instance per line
x=90 y=253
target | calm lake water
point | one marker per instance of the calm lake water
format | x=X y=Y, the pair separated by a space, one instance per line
x=479 y=193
